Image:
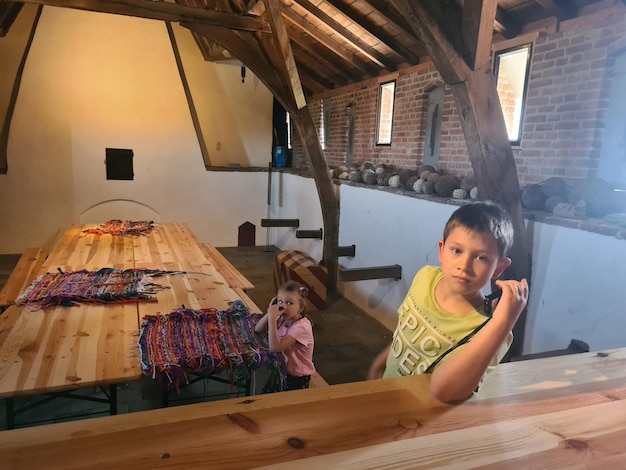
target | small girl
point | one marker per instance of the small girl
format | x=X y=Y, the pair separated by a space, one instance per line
x=291 y=333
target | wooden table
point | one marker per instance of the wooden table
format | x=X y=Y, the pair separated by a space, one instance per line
x=67 y=348
x=561 y=412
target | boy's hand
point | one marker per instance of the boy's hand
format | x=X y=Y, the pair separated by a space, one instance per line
x=513 y=300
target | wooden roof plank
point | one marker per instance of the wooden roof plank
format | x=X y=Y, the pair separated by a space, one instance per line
x=331 y=44
x=350 y=37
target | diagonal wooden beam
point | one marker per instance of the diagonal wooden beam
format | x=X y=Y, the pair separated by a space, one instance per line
x=484 y=129
x=288 y=64
x=162 y=11
x=450 y=64
x=477 y=31
x=244 y=47
x=15 y=88
x=308 y=134
x=8 y=13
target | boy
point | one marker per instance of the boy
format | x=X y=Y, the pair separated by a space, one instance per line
x=445 y=304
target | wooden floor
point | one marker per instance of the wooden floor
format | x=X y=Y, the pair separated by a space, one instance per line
x=346 y=338
x=346 y=341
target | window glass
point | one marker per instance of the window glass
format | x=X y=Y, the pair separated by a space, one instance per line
x=386 y=96
x=511 y=68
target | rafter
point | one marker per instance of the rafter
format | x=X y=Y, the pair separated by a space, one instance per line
x=356 y=42
x=504 y=25
x=553 y=9
x=334 y=47
x=375 y=31
x=8 y=13
x=477 y=31
x=162 y=11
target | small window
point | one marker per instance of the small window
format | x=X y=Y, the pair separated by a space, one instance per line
x=434 y=118
x=119 y=164
x=511 y=69
x=289 y=136
x=386 y=97
x=324 y=122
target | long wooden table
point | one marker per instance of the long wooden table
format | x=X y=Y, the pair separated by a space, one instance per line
x=66 y=348
x=561 y=412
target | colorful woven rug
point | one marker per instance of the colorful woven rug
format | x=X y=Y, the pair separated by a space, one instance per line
x=102 y=286
x=206 y=341
x=119 y=228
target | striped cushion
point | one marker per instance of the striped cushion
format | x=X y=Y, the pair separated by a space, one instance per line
x=292 y=265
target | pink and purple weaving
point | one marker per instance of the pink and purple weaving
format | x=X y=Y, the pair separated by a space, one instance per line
x=118 y=227
x=107 y=285
x=207 y=341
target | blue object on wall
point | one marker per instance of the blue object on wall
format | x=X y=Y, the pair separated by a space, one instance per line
x=280 y=157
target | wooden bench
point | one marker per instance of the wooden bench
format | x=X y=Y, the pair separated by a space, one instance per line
x=317 y=381
x=233 y=277
x=22 y=276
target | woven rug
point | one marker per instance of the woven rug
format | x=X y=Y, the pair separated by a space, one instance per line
x=103 y=286
x=119 y=228
x=206 y=341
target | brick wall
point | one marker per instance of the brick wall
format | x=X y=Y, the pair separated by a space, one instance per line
x=565 y=112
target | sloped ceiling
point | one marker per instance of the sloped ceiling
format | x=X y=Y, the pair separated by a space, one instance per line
x=334 y=42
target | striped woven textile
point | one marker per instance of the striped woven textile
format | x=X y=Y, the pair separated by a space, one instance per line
x=207 y=341
x=102 y=286
x=118 y=227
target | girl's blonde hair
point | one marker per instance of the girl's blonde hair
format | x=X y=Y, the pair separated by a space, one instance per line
x=295 y=288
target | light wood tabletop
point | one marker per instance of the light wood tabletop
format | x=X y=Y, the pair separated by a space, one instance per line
x=562 y=412
x=64 y=348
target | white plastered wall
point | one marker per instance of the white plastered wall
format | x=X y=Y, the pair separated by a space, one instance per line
x=95 y=81
x=578 y=277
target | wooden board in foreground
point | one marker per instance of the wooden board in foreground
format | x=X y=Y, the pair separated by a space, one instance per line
x=389 y=423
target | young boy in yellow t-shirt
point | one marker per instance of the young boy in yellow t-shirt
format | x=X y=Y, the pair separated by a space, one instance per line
x=444 y=315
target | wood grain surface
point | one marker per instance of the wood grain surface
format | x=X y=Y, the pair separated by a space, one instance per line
x=64 y=348
x=545 y=413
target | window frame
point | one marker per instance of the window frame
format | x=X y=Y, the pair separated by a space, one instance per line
x=497 y=54
x=379 y=114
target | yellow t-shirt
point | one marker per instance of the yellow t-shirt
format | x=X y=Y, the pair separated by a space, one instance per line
x=425 y=331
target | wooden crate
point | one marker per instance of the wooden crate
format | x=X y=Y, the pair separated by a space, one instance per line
x=292 y=265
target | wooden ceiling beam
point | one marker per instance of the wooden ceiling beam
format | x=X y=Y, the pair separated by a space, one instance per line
x=162 y=11
x=355 y=42
x=311 y=79
x=279 y=32
x=308 y=135
x=477 y=31
x=483 y=126
x=554 y=10
x=315 y=63
x=256 y=8
x=375 y=31
x=8 y=13
x=244 y=47
x=328 y=42
x=504 y=25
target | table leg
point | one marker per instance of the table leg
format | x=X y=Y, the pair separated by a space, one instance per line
x=113 y=399
x=10 y=413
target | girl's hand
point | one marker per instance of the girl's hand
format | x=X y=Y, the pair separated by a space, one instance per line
x=513 y=300
x=274 y=310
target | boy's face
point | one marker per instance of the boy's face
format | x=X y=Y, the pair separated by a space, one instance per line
x=469 y=260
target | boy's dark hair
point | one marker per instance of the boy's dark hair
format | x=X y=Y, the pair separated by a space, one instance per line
x=487 y=218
